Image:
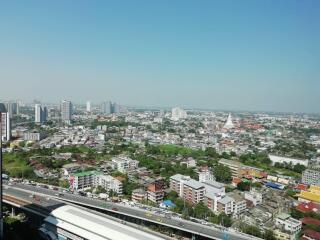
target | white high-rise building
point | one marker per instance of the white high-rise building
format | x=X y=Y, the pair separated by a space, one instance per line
x=37 y=113
x=40 y=114
x=229 y=123
x=178 y=113
x=66 y=111
x=88 y=106
x=5 y=126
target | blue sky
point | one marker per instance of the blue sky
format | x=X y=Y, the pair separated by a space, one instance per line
x=234 y=55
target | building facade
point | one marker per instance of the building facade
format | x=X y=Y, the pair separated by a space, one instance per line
x=311 y=177
x=66 y=111
x=187 y=188
x=5 y=126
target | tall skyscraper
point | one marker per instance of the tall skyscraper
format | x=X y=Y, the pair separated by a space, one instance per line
x=115 y=108
x=40 y=114
x=44 y=114
x=105 y=107
x=66 y=111
x=10 y=109
x=88 y=106
x=5 y=126
x=37 y=113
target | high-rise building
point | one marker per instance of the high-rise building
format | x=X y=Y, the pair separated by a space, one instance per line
x=44 y=114
x=105 y=107
x=5 y=126
x=115 y=108
x=37 y=113
x=88 y=106
x=311 y=176
x=178 y=113
x=66 y=111
x=10 y=109
x=40 y=114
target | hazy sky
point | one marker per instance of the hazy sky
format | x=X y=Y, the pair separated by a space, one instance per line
x=248 y=55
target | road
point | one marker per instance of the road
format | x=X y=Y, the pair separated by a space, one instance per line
x=213 y=232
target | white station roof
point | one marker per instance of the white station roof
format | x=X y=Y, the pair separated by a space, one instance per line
x=94 y=227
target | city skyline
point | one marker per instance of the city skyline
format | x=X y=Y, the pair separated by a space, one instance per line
x=255 y=57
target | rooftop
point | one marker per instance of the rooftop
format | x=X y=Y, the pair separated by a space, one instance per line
x=86 y=173
x=230 y=162
x=215 y=184
x=94 y=226
x=283 y=216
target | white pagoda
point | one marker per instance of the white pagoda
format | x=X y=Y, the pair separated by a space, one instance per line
x=229 y=124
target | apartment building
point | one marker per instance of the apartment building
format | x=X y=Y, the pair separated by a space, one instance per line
x=234 y=166
x=138 y=195
x=254 y=197
x=124 y=163
x=88 y=179
x=225 y=205
x=311 y=177
x=239 y=204
x=286 y=223
x=188 y=188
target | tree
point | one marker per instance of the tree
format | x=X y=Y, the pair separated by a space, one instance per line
x=251 y=229
x=296 y=214
x=225 y=220
x=299 y=168
x=202 y=211
x=64 y=184
x=172 y=195
x=100 y=189
x=244 y=186
x=222 y=173
x=269 y=235
x=112 y=193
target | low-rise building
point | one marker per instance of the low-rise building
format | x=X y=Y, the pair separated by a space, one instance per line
x=33 y=136
x=254 y=197
x=239 y=203
x=279 y=159
x=234 y=166
x=206 y=175
x=155 y=194
x=286 y=223
x=225 y=205
x=88 y=179
x=312 y=195
x=124 y=163
x=138 y=195
x=70 y=168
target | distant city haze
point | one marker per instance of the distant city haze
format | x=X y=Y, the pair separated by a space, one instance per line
x=233 y=55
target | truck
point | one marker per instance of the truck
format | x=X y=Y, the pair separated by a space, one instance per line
x=103 y=195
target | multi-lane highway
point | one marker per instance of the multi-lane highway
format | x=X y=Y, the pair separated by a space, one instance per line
x=214 y=232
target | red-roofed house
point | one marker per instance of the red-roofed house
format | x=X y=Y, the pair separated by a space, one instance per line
x=309 y=220
x=236 y=181
x=309 y=234
x=308 y=207
x=301 y=187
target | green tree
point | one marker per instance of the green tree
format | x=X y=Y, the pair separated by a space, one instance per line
x=269 y=235
x=222 y=173
x=244 y=186
x=225 y=220
x=202 y=211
